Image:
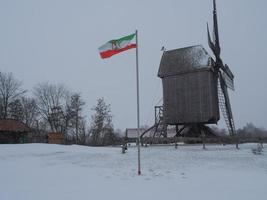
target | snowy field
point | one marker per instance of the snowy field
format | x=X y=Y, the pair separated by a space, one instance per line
x=48 y=172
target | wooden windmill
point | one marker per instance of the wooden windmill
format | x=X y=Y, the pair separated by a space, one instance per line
x=195 y=86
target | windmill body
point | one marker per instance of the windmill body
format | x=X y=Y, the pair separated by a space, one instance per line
x=195 y=86
x=189 y=87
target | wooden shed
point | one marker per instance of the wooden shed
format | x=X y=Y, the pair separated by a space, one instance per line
x=131 y=134
x=189 y=87
x=56 y=138
x=12 y=131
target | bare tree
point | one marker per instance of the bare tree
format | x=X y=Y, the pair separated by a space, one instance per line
x=30 y=111
x=83 y=134
x=10 y=90
x=101 y=129
x=51 y=101
x=77 y=120
x=250 y=130
x=15 y=110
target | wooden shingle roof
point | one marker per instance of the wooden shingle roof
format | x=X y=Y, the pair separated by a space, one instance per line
x=183 y=60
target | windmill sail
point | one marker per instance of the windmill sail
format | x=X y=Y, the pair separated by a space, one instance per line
x=224 y=74
x=225 y=106
x=228 y=77
x=228 y=81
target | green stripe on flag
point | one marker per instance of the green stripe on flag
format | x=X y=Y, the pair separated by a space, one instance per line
x=128 y=37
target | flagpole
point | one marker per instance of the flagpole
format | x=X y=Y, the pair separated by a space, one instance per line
x=137 y=91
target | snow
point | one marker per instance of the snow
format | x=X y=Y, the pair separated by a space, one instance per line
x=47 y=171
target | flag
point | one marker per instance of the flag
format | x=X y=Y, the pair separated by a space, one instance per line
x=116 y=46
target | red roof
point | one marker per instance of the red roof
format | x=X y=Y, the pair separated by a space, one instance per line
x=11 y=125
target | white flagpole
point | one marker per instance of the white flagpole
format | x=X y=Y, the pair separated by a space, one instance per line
x=137 y=91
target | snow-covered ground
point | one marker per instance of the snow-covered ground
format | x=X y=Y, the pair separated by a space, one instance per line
x=48 y=172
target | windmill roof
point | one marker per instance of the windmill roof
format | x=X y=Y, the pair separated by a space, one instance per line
x=183 y=60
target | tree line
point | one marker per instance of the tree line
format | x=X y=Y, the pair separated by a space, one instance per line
x=54 y=108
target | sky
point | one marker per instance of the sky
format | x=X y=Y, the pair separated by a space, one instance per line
x=57 y=41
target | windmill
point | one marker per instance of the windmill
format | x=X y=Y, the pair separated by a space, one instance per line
x=195 y=86
x=224 y=75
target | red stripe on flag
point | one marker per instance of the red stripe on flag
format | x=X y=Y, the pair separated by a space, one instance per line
x=109 y=53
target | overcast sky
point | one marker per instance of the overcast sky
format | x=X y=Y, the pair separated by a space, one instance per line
x=58 y=40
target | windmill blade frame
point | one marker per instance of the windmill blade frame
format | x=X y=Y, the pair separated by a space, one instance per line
x=228 y=81
x=225 y=105
x=224 y=75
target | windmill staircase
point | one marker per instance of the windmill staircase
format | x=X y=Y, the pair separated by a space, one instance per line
x=159 y=127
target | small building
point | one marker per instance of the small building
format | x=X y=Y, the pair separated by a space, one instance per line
x=13 y=131
x=56 y=138
x=131 y=134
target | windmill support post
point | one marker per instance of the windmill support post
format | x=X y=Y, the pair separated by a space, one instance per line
x=203 y=137
x=178 y=132
x=237 y=141
x=175 y=143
